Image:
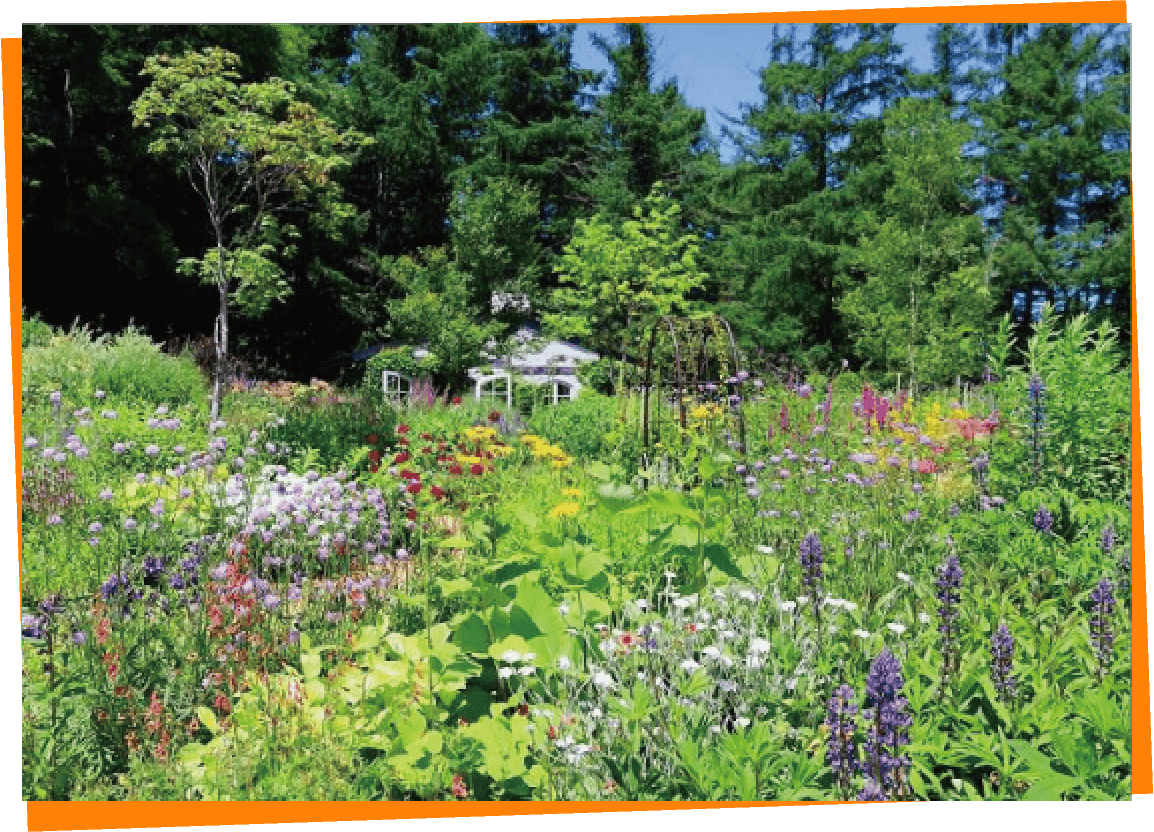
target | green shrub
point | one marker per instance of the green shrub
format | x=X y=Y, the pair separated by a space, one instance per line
x=580 y=427
x=333 y=430
x=64 y=362
x=133 y=366
x=35 y=333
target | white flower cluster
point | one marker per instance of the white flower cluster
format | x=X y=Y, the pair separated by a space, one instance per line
x=517 y=664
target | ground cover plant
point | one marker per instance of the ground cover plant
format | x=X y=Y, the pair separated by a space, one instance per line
x=881 y=596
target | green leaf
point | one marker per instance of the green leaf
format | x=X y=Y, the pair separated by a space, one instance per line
x=719 y=556
x=455 y=542
x=1051 y=787
x=208 y=719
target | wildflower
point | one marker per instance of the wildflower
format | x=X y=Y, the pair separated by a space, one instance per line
x=896 y=627
x=949 y=584
x=902 y=576
x=1101 y=635
x=1043 y=520
x=841 y=752
x=1002 y=661
x=689 y=665
x=889 y=722
x=565 y=510
x=811 y=564
x=602 y=680
x=459 y=790
x=861 y=633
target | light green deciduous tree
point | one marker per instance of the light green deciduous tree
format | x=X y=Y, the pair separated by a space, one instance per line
x=251 y=151
x=618 y=276
x=923 y=305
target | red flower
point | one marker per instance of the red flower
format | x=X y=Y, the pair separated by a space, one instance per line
x=926 y=466
x=414 y=487
x=401 y=458
x=455 y=469
x=221 y=703
x=437 y=491
x=375 y=456
x=411 y=514
x=155 y=706
x=371 y=439
x=456 y=399
x=428 y=437
x=494 y=416
x=374 y=467
x=476 y=469
x=402 y=428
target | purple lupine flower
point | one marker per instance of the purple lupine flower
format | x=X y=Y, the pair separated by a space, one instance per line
x=841 y=752
x=1043 y=520
x=949 y=585
x=1002 y=662
x=871 y=793
x=811 y=566
x=1101 y=634
x=887 y=731
x=1108 y=539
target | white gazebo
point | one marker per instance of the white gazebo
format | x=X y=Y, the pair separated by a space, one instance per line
x=533 y=361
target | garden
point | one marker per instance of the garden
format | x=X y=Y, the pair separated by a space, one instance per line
x=807 y=587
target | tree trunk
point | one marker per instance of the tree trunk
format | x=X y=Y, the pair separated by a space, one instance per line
x=220 y=331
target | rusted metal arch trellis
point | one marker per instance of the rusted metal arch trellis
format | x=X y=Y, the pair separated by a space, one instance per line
x=704 y=361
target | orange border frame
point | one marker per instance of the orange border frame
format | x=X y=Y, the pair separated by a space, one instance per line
x=61 y=816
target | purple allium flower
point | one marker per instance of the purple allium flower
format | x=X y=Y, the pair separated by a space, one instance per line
x=95 y=527
x=108 y=414
x=129 y=524
x=31 y=442
x=60 y=456
x=913 y=515
x=79 y=637
x=99 y=394
x=271 y=601
x=152 y=450
x=106 y=494
x=142 y=478
x=54 y=520
x=55 y=397
x=1002 y=662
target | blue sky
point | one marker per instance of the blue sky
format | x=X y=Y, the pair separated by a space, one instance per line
x=717 y=65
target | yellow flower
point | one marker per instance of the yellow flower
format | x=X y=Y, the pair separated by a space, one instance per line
x=571 y=492
x=565 y=510
x=480 y=433
x=470 y=460
x=562 y=462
